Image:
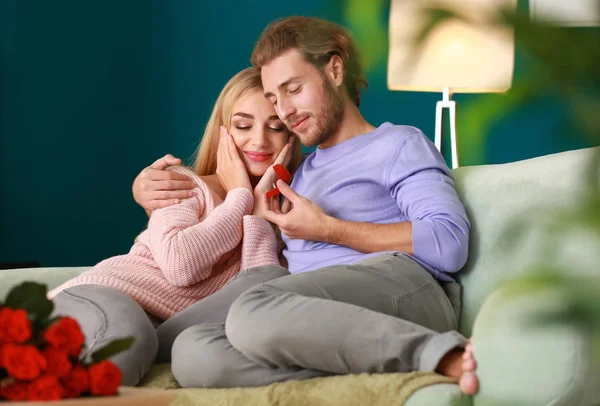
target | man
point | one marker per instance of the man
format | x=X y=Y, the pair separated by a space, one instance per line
x=373 y=228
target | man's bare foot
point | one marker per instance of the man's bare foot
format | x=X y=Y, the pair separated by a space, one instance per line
x=460 y=364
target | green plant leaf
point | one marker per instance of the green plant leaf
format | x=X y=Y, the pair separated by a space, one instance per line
x=113 y=348
x=580 y=293
x=31 y=297
x=476 y=119
x=585 y=114
x=364 y=20
x=596 y=342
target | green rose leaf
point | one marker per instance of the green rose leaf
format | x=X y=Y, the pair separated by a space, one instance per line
x=31 y=297
x=114 y=347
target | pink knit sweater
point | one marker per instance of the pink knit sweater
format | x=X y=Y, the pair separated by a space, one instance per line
x=189 y=251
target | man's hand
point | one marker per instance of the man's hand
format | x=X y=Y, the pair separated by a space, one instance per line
x=299 y=218
x=155 y=187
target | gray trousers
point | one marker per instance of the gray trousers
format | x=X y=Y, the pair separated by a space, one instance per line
x=382 y=314
x=106 y=314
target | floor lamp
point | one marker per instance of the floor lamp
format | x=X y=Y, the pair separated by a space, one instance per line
x=457 y=57
x=573 y=13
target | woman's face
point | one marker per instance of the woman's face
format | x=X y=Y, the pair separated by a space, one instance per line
x=257 y=132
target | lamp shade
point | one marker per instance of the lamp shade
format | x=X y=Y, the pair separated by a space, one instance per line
x=574 y=13
x=458 y=55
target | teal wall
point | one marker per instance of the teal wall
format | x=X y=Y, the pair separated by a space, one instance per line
x=93 y=91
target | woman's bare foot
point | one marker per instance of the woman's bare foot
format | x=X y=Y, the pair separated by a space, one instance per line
x=460 y=364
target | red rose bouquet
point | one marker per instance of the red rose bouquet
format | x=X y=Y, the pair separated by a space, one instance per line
x=40 y=355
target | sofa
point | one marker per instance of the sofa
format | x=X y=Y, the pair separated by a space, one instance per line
x=520 y=362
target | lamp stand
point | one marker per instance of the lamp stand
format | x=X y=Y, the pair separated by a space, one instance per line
x=446 y=102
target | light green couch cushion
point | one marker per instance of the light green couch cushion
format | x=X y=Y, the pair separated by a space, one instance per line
x=52 y=277
x=442 y=394
x=524 y=363
x=493 y=196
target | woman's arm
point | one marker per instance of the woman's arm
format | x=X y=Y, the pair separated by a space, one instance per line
x=186 y=248
x=259 y=244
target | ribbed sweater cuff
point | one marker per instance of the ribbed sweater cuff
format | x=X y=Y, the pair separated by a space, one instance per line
x=243 y=196
x=260 y=243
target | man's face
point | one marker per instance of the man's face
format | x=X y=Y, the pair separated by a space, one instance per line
x=303 y=97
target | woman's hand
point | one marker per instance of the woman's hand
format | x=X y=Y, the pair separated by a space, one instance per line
x=230 y=168
x=261 y=202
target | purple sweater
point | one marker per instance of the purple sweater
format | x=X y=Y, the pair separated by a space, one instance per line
x=392 y=174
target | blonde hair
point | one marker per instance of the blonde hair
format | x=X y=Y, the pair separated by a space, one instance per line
x=243 y=83
x=317 y=40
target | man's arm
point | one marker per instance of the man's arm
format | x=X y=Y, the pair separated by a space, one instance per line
x=307 y=221
x=155 y=187
x=369 y=237
x=423 y=188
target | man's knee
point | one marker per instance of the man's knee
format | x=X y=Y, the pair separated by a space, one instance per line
x=255 y=321
x=196 y=358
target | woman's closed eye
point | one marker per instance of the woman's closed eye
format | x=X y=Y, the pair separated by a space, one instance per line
x=243 y=125
x=277 y=128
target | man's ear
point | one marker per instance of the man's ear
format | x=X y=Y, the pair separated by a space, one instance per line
x=335 y=70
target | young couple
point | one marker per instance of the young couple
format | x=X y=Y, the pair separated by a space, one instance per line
x=371 y=224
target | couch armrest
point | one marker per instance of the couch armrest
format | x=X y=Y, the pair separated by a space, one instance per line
x=52 y=277
x=523 y=363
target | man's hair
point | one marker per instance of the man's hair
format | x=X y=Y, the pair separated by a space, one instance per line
x=317 y=40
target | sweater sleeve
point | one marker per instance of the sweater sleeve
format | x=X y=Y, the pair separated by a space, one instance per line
x=259 y=245
x=186 y=248
x=422 y=185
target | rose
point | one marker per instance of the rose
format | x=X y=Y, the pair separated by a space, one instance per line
x=46 y=387
x=65 y=335
x=14 y=326
x=105 y=378
x=15 y=391
x=58 y=361
x=23 y=362
x=76 y=382
x=45 y=366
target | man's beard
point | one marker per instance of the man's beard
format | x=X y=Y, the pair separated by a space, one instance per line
x=330 y=119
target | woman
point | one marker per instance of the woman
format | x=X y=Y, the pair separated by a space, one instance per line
x=190 y=250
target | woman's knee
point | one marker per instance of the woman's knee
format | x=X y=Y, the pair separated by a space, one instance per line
x=103 y=312
x=144 y=333
x=136 y=361
x=106 y=314
x=198 y=359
